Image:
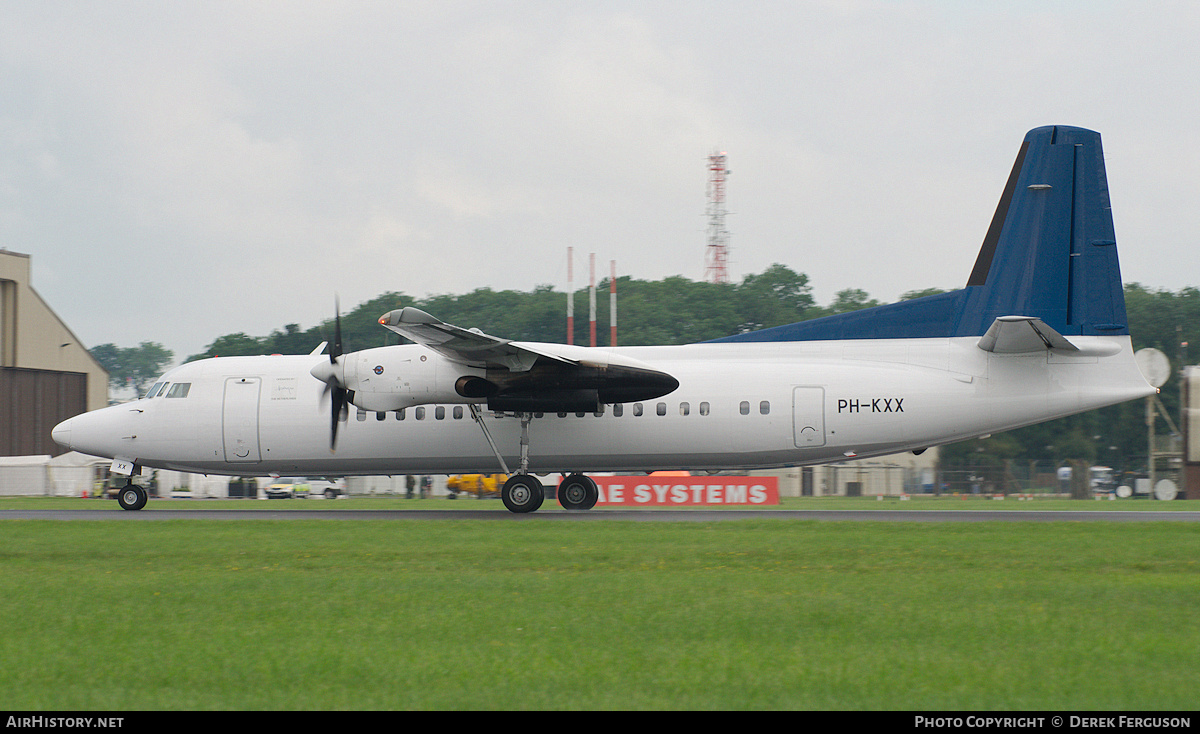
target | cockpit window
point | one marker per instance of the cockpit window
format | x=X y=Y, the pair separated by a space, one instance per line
x=179 y=390
x=154 y=389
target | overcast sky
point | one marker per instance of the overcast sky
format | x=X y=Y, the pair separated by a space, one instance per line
x=183 y=170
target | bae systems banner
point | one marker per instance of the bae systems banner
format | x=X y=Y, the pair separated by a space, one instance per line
x=686 y=491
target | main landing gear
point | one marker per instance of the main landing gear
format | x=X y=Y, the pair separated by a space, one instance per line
x=523 y=492
x=578 y=492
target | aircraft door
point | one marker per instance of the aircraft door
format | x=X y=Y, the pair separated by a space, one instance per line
x=808 y=416
x=240 y=419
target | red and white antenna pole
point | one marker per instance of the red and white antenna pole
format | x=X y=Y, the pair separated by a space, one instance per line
x=717 y=252
x=592 y=298
x=612 y=305
x=570 y=295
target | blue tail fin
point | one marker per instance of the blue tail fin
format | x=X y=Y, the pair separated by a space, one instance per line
x=1049 y=253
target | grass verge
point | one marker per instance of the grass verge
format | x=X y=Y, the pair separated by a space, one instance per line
x=186 y=614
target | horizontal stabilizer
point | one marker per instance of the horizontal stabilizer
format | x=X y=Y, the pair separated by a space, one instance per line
x=1022 y=334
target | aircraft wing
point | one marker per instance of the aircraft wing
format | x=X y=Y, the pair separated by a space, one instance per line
x=534 y=375
x=466 y=346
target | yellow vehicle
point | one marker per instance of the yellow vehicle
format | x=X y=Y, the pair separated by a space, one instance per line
x=480 y=485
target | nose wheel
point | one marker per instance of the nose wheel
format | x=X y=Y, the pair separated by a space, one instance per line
x=131 y=497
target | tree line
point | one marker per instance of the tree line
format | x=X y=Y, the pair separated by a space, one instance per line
x=674 y=310
x=677 y=310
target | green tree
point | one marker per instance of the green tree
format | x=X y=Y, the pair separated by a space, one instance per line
x=852 y=299
x=289 y=341
x=775 y=297
x=109 y=357
x=132 y=367
x=910 y=295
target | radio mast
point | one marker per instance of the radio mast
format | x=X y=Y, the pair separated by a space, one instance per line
x=717 y=252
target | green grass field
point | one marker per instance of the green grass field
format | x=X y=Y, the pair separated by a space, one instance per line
x=754 y=614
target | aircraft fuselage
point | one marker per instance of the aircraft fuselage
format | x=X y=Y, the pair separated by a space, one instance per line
x=737 y=406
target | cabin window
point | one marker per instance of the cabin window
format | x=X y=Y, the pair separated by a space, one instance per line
x=637 y=409
x=618 y=410
x=661 y=408
x=599 y=412
x=458 y=412
x=400 y=414
x=361 y=415
x=380 y=415
x=765 y=407
x=744 y=407
x=684 y=409
x=179 y=390
x=420 y=413
x=440 y=412
x=703 y=408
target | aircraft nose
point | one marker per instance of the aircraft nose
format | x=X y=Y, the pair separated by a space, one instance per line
x=62 y=434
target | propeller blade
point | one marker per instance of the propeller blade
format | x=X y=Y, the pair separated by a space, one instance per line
x=339 y=399
x=329 y=374
x=335 y=351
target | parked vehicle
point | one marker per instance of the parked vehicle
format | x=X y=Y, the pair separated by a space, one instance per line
x=480 y=485
x=327 y=487
x=287 y=488
x=291 y=487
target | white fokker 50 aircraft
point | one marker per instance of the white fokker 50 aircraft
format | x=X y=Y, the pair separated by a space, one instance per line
x=1038 y=333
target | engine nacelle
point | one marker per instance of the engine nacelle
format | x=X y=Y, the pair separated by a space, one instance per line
x=398 y=377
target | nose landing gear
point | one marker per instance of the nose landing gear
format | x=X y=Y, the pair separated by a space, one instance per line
x=131 y=497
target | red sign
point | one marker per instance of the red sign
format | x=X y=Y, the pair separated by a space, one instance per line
x=687 y=491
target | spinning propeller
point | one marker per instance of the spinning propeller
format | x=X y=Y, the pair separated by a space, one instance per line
x=332 y=375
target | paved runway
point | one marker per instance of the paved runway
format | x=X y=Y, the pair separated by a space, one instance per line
x=153 y=513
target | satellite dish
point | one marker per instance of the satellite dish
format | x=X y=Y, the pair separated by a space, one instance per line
x=1155 y=366
x=1165 y=490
